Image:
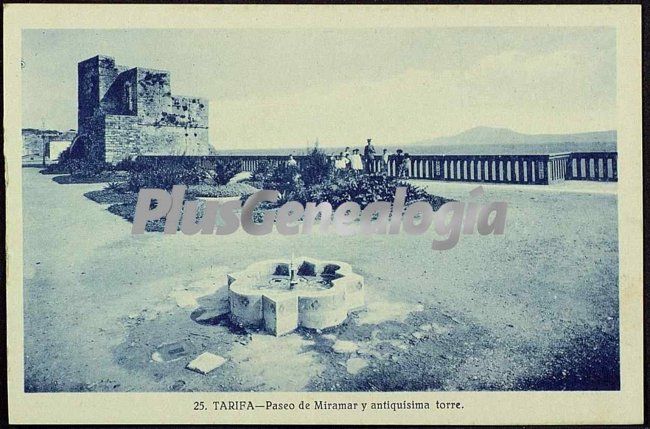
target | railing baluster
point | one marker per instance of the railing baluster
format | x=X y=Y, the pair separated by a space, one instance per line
x=524 y=169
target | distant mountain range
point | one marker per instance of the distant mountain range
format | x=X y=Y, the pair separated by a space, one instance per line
x=483 y=141
x=488 y=140
x=489 y=135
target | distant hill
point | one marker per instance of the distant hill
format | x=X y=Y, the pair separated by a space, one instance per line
x=484 y=140
x=488 y=135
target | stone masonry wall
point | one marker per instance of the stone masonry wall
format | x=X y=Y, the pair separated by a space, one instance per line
x=190 y=110
x=87 y=91
x=170 y=140
x=130 y=111
x=121 y=137
x=153 y=94
x=94 y=144
x=115 y=101
x=126 y=136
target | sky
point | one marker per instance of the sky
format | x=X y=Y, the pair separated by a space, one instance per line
x=288 y=88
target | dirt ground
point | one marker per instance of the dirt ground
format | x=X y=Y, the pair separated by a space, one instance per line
x=536 y=308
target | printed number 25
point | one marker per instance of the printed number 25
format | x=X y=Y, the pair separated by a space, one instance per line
x=198 y=406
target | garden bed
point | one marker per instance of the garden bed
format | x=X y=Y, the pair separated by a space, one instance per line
x=314 y=180
x=111 y=195
x=102 y=177
x=127 y=211
x=221 y=191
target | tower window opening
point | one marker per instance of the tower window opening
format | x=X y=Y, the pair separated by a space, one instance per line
x=128 y=96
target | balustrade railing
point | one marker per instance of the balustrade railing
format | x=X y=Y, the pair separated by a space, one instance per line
x=516 y=169
x=599 y=166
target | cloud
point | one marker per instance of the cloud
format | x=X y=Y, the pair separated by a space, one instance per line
x=556 y=91
x=285 y=88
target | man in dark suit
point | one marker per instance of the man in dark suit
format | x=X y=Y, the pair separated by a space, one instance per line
x=368 y=155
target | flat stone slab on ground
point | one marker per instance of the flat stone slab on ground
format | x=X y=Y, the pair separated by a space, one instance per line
x=172 y=351
x=398 y=344
x=344 y=347
x=206 y=363
x=354 y=365
x=439 y=329
x=419 y=335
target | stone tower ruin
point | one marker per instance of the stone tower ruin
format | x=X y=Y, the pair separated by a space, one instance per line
x=124 y=112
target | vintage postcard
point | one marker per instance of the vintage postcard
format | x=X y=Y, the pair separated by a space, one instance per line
x=323 y=214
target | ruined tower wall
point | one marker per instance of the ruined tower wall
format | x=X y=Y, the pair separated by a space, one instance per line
x=87 y=91
x=126 y=136
x=121 y=137
x=190 y=110
x=154 y=96
x=172 y=140
x=117 y=100
x=131 y=111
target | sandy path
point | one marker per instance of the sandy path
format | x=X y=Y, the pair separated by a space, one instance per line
x=536 y=308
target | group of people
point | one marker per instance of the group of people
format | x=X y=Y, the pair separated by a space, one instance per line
x=347 y=160
x=352 y=160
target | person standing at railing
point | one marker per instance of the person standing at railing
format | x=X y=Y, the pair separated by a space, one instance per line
x=355 y=161
x=292 y=162
x=368 y=155
x=341 y=162
x=399 y=163
x=348 y=162
x=385 y=157
x=406 y=164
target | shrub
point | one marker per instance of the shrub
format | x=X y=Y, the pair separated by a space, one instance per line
x=115 y=187
x=128 y=164
x=165 y=174
x=56 y=168
x=224 y=170
x=285 y=179
x=127 y=211
x=362 y=189
x=79 y=167
x=315 y=167
x=341 y=186
x=65 y=154
x=333 y=186
x=262 y=172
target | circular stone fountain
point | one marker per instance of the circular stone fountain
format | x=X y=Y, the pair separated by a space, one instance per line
x=281 y=295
